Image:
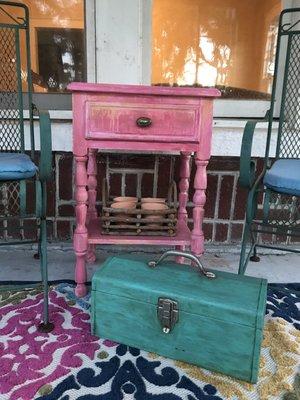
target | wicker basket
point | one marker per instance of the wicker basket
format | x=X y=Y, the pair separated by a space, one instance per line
x=138 y=221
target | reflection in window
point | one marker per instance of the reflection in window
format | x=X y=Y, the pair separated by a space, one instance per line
x=270 y=53
x=223 y=43
x=57 y=43
x=60 y=57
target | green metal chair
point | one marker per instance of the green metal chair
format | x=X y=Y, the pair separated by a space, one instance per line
x=18 y=172
x=278 y=185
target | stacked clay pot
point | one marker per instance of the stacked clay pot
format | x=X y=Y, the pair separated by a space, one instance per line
x=154 y=204
x=122 y=202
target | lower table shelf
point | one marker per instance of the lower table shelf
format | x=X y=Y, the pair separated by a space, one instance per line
x=95 y=236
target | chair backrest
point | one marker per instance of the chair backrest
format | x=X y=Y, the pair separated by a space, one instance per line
x=15 y=78
x=288 y=139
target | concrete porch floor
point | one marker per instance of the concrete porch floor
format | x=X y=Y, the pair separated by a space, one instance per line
x=18 y=264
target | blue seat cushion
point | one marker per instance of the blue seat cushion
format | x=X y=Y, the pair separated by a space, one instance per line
x=284 y=177
x=16 y=166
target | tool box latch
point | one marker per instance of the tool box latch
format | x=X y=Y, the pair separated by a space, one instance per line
x=167 y=313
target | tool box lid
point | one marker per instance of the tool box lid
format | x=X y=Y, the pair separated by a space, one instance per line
x=231 y=297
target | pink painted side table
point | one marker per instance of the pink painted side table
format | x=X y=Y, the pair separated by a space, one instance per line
x=138 y=118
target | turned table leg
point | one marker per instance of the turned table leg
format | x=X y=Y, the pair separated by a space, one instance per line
x=80 y=234
x=92 y=193
x=200 y=184
x=185 y=171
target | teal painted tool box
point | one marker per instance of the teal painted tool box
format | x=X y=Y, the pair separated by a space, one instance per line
x=176 y=312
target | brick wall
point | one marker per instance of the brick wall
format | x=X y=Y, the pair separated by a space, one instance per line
x=147 y=175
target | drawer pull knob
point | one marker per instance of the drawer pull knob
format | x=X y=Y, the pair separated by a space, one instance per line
x=143 y=122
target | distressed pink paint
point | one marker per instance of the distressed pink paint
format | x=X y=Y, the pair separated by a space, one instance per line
x=92 y=193
x=200 y=183
x=185 y=170
x=81 y=233
x=104 y=117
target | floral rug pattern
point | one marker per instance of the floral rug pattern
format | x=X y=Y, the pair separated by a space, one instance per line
x=71 y=364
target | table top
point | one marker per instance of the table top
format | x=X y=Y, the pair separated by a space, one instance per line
x=143 y=89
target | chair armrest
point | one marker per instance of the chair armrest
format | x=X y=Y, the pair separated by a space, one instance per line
x=247 y=165
x=45 y=166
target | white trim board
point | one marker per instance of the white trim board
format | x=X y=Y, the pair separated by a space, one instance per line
x=231 y=108
x=226 y=141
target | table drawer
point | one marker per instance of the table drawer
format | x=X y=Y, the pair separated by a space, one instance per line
x=162 y=122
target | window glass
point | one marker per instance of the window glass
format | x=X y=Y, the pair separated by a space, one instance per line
x=229 y=44
x=57 y=43
x=60 y=57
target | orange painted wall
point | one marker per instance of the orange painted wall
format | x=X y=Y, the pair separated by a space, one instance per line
x=211 y=41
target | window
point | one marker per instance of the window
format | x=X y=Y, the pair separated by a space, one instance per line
x=57 y=43
x=57 y=46
x=229 y=44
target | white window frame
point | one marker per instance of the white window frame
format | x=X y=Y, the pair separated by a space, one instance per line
x=90 y=38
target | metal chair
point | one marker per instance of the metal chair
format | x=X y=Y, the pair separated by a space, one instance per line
x=18 y=172
x=278 y=185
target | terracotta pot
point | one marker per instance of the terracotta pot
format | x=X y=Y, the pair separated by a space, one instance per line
x=154 y=218
x=153 y=200
x=154 y=206
x=124 y=198
x=124 y=205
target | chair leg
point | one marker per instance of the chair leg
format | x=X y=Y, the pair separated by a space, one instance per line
x=243 y=257
x=37 y=255
x=254 y=257
x=45 y=325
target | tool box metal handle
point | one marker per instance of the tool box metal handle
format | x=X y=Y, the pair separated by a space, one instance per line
x=192 y=257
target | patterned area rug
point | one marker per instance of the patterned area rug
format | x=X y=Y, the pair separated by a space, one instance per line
x=71 y=364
